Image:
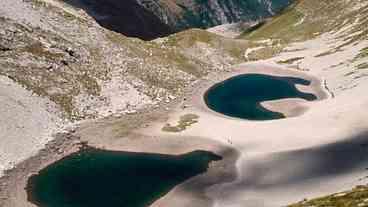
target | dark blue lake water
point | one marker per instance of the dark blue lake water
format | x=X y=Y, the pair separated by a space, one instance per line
x=240 y=96
x=99 y=178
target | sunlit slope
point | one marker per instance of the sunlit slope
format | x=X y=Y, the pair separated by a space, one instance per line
x=309 y=18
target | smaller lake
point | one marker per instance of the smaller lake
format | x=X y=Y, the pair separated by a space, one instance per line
x=97 y=178
x=240 y=96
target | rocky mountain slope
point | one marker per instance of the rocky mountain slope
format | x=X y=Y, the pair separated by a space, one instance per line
x=62 y=56
x=183 y=14
x=80 y=66
x=332 y=33
x=126 y=17
x=328 y=39
x=149 y=19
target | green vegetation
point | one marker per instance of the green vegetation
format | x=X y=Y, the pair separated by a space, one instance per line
x=39 y=3
x=362 y=66
x=357 y=197
x=184 y=122
x=307 y=19
x=265 y=53
x=164 y=57
x=363 y=54
x=329 y=52
x=290 y=61
x=181 y=52
x=279 y=28
x=252 y=29
x=72 y=60
x=190 y=38
x=66 y=103
x=90 y=84
x=37 y=49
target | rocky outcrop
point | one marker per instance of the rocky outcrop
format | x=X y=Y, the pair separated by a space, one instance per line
x=57 y=65
x=183 y=14
x=126 y=17
x=149 y=19
x=61 y=53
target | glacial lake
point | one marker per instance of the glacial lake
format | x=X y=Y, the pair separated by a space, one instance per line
x=96 y=178
x=240 y=96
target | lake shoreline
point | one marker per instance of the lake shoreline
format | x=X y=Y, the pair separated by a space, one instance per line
x=148 y=137
x=115 y=177
x=13 y=183
x=241 y=96
x=321 y=126
x=290 y=107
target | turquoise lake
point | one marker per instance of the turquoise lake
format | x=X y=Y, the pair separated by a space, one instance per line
x=240 y=96
x=99 y=178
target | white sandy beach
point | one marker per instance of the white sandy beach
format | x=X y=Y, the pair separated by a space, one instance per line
x=264 y=173
x=319 y=152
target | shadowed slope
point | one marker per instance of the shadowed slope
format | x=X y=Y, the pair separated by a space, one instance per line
x=126 y=17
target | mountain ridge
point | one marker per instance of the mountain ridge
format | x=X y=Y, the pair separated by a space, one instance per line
x=150 y=19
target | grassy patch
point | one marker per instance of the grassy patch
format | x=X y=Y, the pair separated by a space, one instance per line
x=330 y=52
x=184 y=122
x=184 y=63
x=280 y=27
x=363 y=54
x=306 y=19
x=357 y=197
x=251 y=29
x=69 y=16
x=350 y=73
x=265 y=53
x=37 y=49
x=190 y=38
x=39 y=3
x=26 y=83
x=90 y=84
x=290 y=61
x=66 y=103
x=362 y=66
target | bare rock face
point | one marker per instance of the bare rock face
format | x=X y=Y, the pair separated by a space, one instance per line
x=183 y=14
x=149 y=19
x=126 y=17
x=59 y=52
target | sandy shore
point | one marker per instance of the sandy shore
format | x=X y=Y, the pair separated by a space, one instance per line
x=319 y=149
x=316 y=153
x=289 y=107
x=115 y=134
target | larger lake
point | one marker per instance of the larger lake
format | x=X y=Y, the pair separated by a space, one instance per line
x=240 y=96
x=97 y=178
